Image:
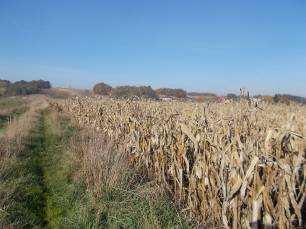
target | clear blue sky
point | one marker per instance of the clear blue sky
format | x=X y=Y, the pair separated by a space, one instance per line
x=203 y=45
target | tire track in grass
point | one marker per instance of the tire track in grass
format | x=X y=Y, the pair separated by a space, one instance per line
x=63 y=197
x=54 y=171
x=37 y=180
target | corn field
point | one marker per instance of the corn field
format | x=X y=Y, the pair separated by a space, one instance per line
x=231 y=165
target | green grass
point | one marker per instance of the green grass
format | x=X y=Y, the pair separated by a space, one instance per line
x=11 y=102
x=64 y=197
x=125 y=209
x=16 y=105
x=70 y=205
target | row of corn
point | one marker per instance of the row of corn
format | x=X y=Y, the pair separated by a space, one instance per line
x=232 y=165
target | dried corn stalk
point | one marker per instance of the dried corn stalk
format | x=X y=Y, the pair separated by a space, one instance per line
x=227 y=164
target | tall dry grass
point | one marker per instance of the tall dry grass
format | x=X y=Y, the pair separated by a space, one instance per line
x=229 y=165
x=14 y=138
x=12 y=105
x=100 y=161
x=118 y=194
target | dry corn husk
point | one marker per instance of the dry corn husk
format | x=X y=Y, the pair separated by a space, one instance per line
x=227 y=164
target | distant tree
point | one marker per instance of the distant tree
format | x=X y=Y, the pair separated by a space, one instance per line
x=199 y=98
x=102 y=89
x=277 y=98
x=133 y=91
x=170 y=92
x=294 y=98
x=22 y=88
x=282 y=98
x=26 y=88
x=41 y=84
x=267 y=98
x=286 y=99
x=4 y=84
x=232 y=96
x=203 y=96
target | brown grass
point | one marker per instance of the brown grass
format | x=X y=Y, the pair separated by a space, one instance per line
x=13 y=140
x=101 y=162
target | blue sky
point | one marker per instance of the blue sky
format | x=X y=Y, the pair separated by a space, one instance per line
x=202 y=45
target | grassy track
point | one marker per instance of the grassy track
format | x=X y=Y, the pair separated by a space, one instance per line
x=63 y=197
x=41 y=192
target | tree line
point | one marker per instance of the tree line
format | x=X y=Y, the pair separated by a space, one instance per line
x=138 y=91
x=177 y=93
x=8 y=88
x=285 y=98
